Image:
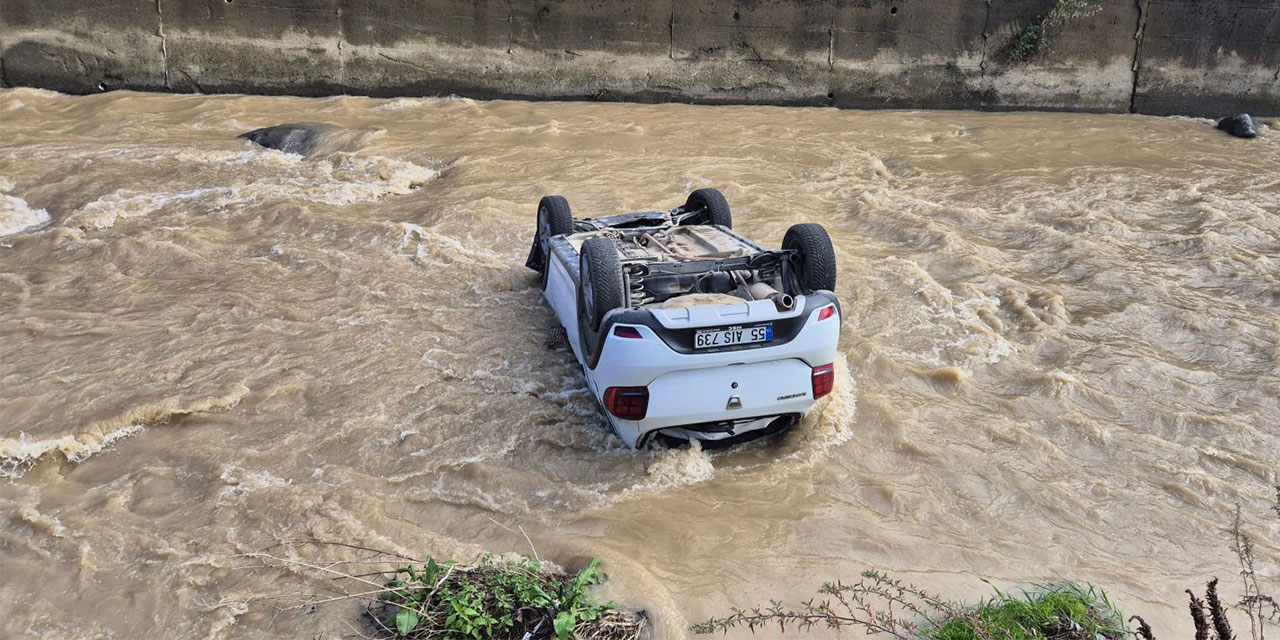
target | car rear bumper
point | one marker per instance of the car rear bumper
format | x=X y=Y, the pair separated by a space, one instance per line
x=742 y=431
x=722 y=402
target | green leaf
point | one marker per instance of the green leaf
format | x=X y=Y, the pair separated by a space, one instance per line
x=590 y=575
x=406 y=620
x=564 y=624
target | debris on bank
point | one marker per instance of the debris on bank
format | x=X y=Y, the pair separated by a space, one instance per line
x=520 y=599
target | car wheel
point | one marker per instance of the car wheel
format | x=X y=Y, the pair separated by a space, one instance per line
x=600 y=288
x=554 y=219
x=715 y=209
x=813 y=266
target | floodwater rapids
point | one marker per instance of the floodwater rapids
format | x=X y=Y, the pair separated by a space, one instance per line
x=1059 y=356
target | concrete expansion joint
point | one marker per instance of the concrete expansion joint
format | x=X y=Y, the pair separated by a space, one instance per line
x=342 y=52
x=164 y=45
x=831 y=48
x=986 y=38
x=1136 y=67
x=511 y=33
x=671 y=33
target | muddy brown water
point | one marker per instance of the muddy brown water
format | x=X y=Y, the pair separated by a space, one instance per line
x=1059 y=355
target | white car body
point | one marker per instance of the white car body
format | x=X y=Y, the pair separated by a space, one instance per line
x=715 y=395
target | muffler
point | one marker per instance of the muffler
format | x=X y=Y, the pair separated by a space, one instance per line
x=762 y=291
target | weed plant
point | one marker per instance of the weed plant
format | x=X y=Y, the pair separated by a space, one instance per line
x=1033 y=39
x=880 y=604
x=518 y=598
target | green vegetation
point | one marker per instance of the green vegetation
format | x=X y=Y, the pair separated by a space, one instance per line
x=1066 y=611
x=881 y=605
x=1035 y=38
x=518 y=598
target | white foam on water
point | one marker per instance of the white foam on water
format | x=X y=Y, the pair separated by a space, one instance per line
x=242 y=482
x=955 y=327
x=15 y=214
x=43 y=522
x=411 y=231
x=264 y=157
x=396 y=104
x=433 y=248
x=224 y=615
x=676 y=468
x=104 y=212
x=339 y=179
x=17 y=455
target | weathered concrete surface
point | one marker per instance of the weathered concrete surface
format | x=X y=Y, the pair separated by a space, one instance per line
x=253 y=46
x=1210 y=58
x=82 y=46
x=910 y=53
x=1087 y=67
x=1202 y=57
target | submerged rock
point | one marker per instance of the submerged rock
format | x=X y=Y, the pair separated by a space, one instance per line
x=1240 y=126
x=299 y=138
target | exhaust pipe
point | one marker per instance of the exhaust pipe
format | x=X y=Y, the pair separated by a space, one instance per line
x=762 y=291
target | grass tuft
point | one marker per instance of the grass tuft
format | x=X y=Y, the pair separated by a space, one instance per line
x=880 y=605
x=1062 y=612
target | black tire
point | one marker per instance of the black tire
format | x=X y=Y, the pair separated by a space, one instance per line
x=813 y=267
x=715 y=209
x=554 y=219
x=601 y=288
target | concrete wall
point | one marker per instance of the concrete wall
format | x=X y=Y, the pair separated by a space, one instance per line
x=1197 y=57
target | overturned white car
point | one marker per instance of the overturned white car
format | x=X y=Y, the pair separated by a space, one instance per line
x=685 y=329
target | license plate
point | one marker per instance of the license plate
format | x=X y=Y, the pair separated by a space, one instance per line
x=708 y=338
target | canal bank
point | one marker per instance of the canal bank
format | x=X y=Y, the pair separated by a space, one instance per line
x=1057 y=359
x=1200 y=58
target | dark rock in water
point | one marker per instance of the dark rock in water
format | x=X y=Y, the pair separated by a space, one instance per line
x=289 y=138
x=1240 y=126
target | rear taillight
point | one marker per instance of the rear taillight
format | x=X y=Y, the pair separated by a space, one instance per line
x=623 y=331
x=824 y=378
x=627 y=403
x=826 y=312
